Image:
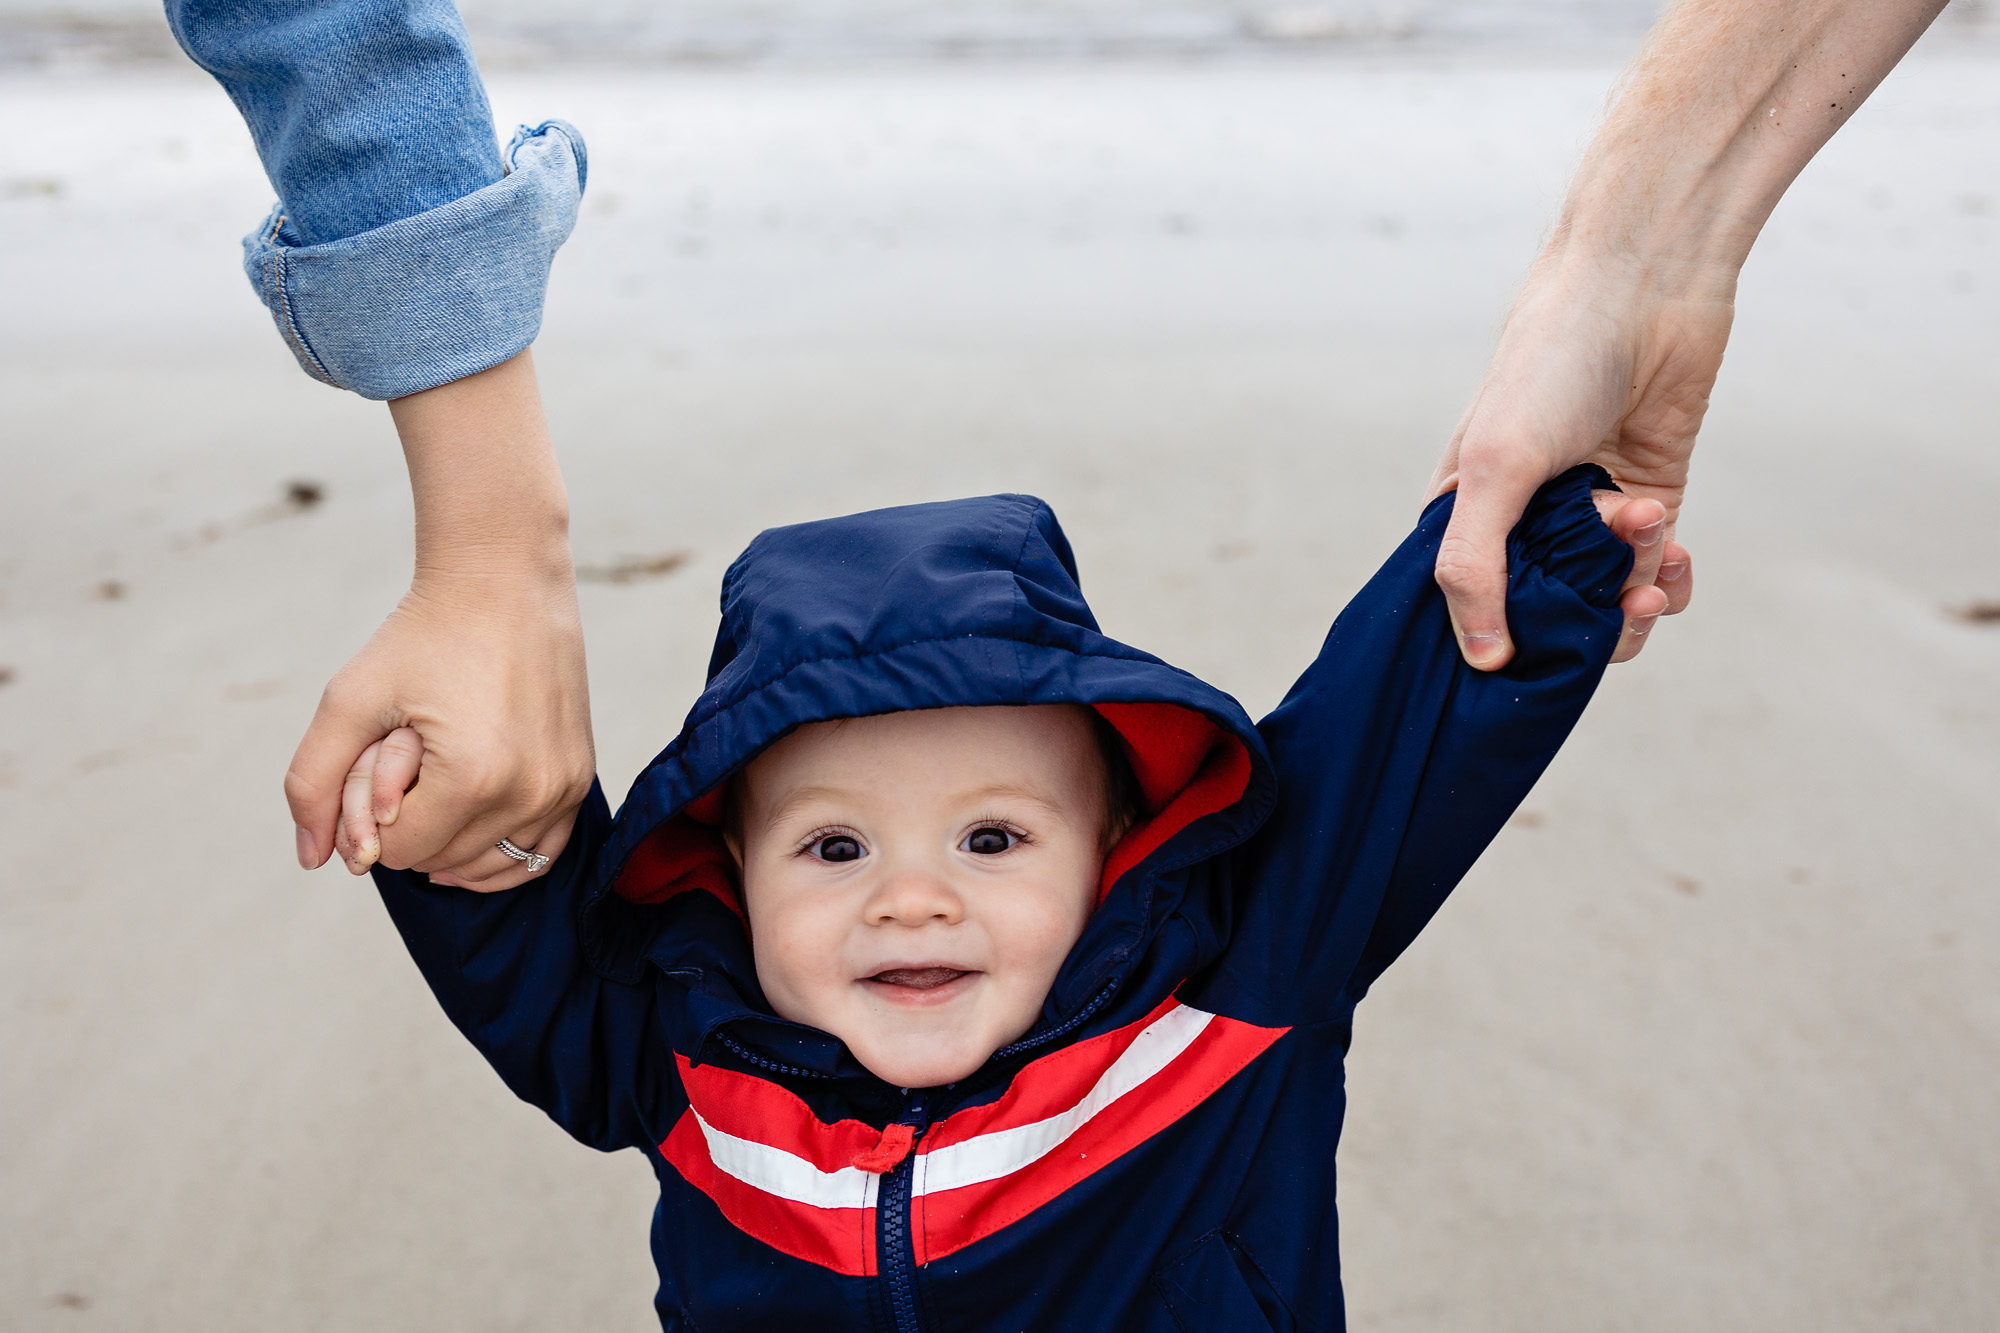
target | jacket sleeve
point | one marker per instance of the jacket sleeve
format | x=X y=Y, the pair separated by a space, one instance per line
x=509 y=970
x=1397 y=764
x=407 y=249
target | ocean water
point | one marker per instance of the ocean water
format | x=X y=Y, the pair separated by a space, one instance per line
x=533 y=33
x=970 y=29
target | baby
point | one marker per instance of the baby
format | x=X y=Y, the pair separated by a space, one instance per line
x=958 y=967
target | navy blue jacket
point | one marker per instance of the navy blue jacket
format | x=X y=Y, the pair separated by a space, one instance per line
x=1157 y=1153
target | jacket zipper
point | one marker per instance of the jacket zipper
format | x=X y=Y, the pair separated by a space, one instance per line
x=748 y=1056
x=895 y=1231
x=1062 y=1029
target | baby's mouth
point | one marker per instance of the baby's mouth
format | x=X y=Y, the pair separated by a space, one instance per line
x=919 y=978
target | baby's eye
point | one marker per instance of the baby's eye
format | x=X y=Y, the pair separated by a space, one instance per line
x=837 y=847
x=989 y=841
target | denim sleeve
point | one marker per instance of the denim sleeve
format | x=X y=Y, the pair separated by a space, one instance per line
x=407 y=249
x=1397 y=763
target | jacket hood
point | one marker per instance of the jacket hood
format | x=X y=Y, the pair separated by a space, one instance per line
x=966 y=602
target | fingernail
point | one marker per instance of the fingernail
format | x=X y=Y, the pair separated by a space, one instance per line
x=304 y=838
x=1674 y=572
x=1483 y=645
x=1650 y=534
x=1641 y=628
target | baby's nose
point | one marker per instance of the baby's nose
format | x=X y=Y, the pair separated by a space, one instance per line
x=913 y=898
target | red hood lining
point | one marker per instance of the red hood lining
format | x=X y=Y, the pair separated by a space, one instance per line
x=1187 y=767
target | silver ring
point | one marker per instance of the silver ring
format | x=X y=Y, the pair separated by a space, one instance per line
x=535 y=861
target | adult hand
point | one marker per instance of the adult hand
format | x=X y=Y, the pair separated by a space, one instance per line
x=477 y=679
x=1590 y=368
x=480 y=693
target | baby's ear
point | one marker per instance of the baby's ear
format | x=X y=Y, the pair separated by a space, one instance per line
x=731 y=824
x=729 y=819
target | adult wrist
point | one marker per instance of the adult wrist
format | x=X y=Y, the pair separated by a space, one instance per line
x=487 y=528
x=1679 y=230
x=1693 y=257
x=484 y=532
x=538 y=606
x=514 y=562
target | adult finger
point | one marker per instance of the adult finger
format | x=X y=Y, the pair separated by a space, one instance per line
x=1641 y=524
x=1472 y=565
x=475 y=853
x=493 y=870
x=319 y=768
x=1676 y=578
x=357 y=841
x=396 y=769
x=487 y=862
x=1643 y=607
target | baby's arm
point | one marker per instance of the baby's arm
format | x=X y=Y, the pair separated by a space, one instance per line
x=1397 y=763
x=509 y=970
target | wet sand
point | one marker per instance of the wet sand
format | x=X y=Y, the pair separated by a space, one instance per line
x=1711 y=1038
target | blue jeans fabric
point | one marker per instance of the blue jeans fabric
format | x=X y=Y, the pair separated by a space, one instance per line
x=406 y=249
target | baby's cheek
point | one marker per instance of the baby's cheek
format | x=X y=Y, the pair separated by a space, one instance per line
x=802 y=954
x=794 y=965
x=1039 y=940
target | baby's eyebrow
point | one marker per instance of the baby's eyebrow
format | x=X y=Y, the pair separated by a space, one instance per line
x=799 y=796
x=804 y=796
x=1012 y=791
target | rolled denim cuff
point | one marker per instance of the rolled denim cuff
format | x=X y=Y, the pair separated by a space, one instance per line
x=431 y=298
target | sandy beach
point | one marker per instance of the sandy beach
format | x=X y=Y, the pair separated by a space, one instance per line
x=1711 y=1037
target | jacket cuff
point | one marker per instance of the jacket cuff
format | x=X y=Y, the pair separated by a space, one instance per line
x=431 y=298
x=1564 y=537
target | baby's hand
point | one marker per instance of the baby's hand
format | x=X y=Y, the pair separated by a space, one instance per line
x=372 y=796
x=1661 y=580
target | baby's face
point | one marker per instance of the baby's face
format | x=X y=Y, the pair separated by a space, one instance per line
x=914 y=880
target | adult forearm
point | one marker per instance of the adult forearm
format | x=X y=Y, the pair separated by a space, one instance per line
x=489 y=496
x=1718 y=115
